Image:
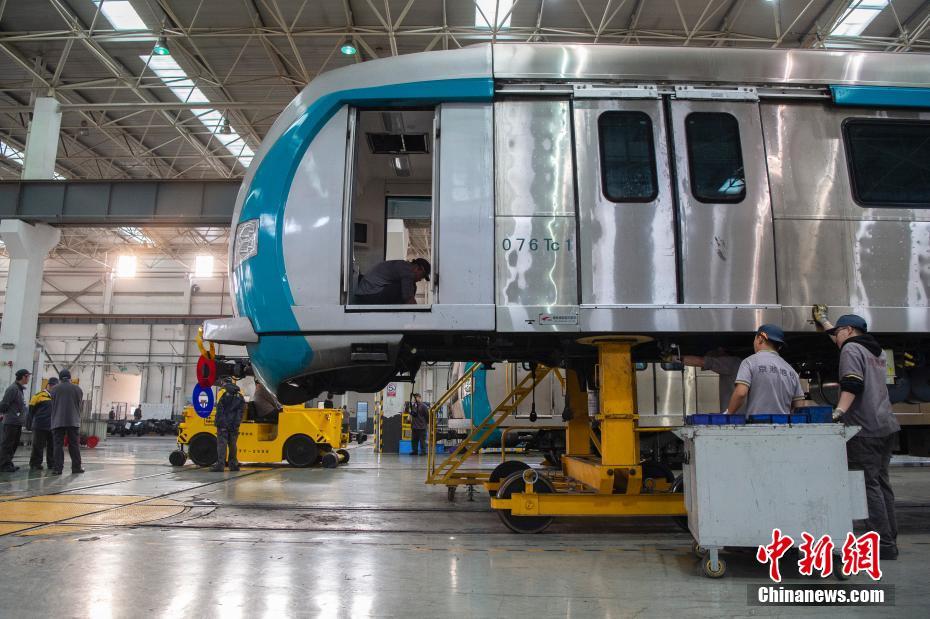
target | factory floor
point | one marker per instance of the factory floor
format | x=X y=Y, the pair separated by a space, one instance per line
x=136 y=537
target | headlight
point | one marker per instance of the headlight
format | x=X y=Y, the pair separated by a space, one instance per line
x=246 y=242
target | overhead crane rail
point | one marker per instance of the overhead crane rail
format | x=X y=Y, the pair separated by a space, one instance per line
x=120 y=203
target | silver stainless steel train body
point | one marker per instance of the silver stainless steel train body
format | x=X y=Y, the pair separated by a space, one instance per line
x=567 y=190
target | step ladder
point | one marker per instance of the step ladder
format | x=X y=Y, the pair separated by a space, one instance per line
x=447 y=472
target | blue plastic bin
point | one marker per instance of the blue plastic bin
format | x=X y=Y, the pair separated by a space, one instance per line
x=819 y=414
x=777 y=419
x=796 y=418
x=698 y=420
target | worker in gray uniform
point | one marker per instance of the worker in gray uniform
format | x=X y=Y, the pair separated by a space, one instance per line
x=229 y=407
x=393 y=282
x=765 y=383
x=864 y=402
x=721 y=363
x=66 y=421
x=419 y=422
x=13 y=409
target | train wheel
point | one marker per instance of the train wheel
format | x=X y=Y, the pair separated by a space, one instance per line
x=300 y=451
x=202 y=449
x=524 y=524
x=505 y=470
x=177 y=458
x=679 y=486
x=345 y=455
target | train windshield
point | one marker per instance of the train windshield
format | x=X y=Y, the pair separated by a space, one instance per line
x=391 y=207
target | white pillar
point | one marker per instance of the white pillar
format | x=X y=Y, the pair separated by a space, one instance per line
x=28 y=246
x=42 y=140
x=101 y=349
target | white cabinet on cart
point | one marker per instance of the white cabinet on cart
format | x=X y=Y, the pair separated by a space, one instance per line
x=741 y=482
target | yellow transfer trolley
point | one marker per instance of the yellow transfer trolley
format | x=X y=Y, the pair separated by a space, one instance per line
x=302 y=436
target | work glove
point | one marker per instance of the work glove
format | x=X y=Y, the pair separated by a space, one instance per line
x=838 y=414
x=819 y=313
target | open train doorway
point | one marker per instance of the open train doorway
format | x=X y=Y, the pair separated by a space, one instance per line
x=392 y=213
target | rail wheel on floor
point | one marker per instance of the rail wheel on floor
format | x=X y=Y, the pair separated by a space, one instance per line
x=202 y=449
x=177 y=458
x=505 y=470
x=345 y=454
x=515 y=484
x=300 y=451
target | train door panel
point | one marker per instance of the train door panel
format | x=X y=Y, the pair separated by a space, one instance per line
x=625 y=203
x=725 y=214
x=535 y=230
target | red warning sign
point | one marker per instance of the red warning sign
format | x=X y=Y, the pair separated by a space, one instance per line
x=206 y=372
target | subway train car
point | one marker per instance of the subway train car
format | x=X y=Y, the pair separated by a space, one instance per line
x=561 y=191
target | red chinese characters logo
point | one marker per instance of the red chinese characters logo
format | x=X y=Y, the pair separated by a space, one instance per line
x=859 y=554
x=816 y=555
x=773 y=552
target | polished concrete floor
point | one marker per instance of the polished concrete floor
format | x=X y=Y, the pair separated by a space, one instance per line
x=134 y=537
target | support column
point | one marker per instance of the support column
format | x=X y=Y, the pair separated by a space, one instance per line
x=101 y=351
x=42 y=140
x=27 y=245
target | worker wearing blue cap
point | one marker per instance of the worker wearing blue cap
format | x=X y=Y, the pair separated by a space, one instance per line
x=864 y=402
x=765 y=383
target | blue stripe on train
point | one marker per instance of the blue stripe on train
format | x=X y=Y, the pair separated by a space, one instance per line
x=881 y=96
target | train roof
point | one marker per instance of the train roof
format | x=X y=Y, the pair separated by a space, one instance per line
x=761 y=67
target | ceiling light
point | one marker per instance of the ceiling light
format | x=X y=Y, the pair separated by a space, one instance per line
x=489 y=11
x=161 y=47
x=203 y=266
x=121 y=15
x=126 y=266
x=225 y=129
x=348 y=49
x=858 y=17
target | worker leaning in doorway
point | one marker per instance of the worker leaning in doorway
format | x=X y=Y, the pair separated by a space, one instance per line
x=39 y=421
x=393 y=282
x=229 y=407
x=419 y=422
x=864 y=402
x=765 y=383
x=721 y=363
x=66 y=422
x=13 y=409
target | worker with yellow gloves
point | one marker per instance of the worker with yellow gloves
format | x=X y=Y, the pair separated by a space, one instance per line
x=39 y=421
x=864 y=402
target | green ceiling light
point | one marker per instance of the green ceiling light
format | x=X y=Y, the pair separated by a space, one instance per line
x=348 y=49
x=161 y=47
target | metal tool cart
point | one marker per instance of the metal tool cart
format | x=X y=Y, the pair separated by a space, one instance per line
x=743 y=481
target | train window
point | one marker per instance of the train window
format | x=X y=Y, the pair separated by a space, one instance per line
x=888 y=162
x=715 y=157
x=628 y=159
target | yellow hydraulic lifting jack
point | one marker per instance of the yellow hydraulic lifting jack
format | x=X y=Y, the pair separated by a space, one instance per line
x=608 y=483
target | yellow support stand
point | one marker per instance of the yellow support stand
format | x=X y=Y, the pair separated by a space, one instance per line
x=607 y=483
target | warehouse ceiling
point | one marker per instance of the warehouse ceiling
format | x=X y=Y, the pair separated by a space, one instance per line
x=202 y=110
